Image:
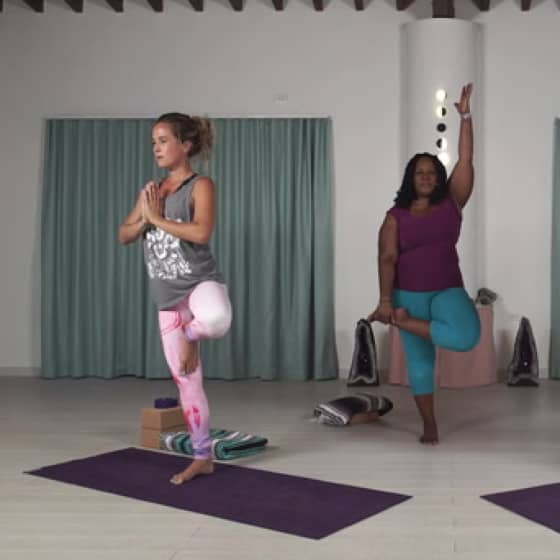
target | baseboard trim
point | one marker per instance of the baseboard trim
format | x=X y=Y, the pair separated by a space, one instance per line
x=502 y=374
x=383 y=374
x=342 y=373
x=20 y=372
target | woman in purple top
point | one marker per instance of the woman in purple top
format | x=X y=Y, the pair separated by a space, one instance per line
x=421 y=286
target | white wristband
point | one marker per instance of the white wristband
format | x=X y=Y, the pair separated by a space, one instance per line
x=466 y=116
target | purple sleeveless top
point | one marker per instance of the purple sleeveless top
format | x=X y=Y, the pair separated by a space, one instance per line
x=428 y=259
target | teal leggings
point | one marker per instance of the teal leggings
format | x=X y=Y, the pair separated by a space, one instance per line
x=454 y=325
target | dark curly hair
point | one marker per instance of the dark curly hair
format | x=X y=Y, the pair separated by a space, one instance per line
x=407 y=193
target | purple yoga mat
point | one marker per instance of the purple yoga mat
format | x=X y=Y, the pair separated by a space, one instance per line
x=291 y=504
x=540 y=504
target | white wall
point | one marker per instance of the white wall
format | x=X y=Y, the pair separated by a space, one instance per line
x=340 y=63
x=522 y=100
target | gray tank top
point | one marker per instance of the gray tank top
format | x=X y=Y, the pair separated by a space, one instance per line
x=175 y=267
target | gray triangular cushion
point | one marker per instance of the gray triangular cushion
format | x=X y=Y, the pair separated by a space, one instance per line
x=524 y=367
x=364 y=370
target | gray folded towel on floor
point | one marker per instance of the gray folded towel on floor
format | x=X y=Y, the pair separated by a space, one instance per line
x=339 y=412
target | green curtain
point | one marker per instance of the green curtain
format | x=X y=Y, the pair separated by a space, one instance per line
x=273 y=243
x=554 y=359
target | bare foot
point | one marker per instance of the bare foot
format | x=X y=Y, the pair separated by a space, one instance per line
x=400 y=315
x=196 y=468
x=190 y=357
x=430 y=435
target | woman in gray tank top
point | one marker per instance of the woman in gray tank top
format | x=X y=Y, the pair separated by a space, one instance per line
x=176 y=218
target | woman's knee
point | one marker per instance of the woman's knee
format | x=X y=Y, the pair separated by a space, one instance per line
x=422 y=381
x=214 y=322
x=421 y=374
x=211 y=309
x=218 y=322
x=456 y=324
x=458 y=338
x=468 y=338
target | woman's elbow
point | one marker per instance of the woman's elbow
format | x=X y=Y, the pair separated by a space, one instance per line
x=123 y=239
x=388 y=259
x=204 y=234
x=200 y=238
x=204 y=238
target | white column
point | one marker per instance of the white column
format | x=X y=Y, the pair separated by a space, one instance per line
x=443 y=54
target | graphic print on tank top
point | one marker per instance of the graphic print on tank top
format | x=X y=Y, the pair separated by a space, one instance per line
x=164 y=259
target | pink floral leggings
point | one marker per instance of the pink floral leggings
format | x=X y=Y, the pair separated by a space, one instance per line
x=205 y=313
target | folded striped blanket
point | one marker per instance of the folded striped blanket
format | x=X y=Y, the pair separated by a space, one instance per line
x=226 y=444
x=339 y=412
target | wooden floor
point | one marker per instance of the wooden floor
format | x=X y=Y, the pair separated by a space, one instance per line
x=493 y=438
